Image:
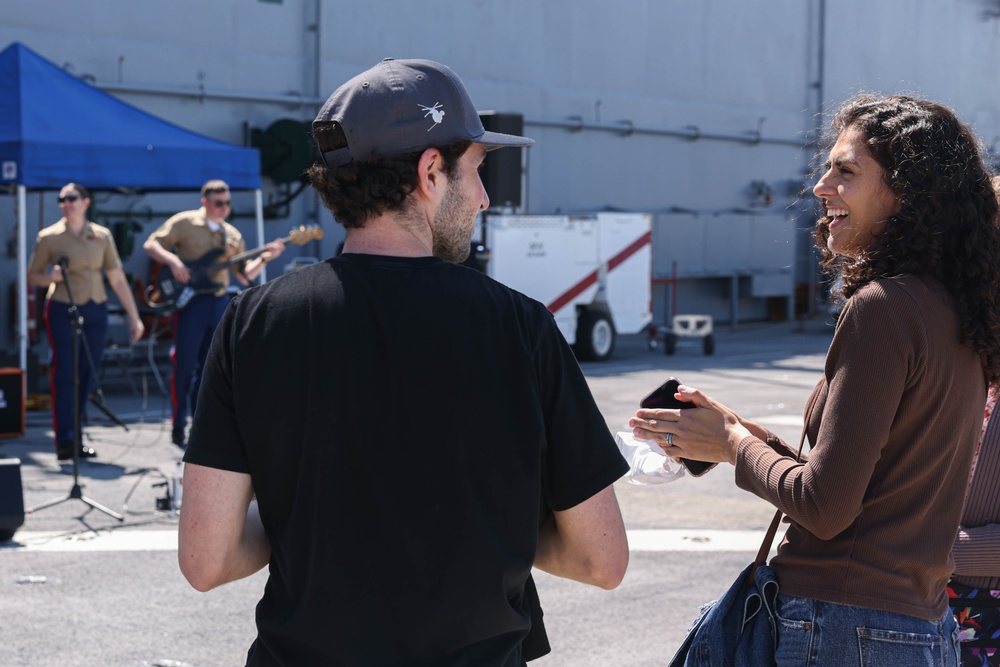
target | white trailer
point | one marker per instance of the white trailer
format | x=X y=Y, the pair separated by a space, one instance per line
x=593 y=272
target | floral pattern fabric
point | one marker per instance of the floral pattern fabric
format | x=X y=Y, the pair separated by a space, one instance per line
x=977 y=611
x=991 y=403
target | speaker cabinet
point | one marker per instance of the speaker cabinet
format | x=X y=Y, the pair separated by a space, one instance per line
x=501 y=172
x=11 y=402
x=11 y=498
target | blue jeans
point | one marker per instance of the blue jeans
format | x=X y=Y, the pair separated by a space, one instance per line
x=814 y=633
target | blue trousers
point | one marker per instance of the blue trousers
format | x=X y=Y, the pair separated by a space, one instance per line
x=193 y=327
x=814 y=633
x=59 y=325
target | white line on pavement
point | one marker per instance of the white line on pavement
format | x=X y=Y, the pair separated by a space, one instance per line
x=101 y=540
x=680 y=539
x=780 y=420
x=674 y=539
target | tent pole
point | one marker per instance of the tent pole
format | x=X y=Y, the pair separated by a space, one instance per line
x=22 y=277
x=260 y=229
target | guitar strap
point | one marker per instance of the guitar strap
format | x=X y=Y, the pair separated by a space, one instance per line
x=225 y=254
x=239 y=266
x=225 y=246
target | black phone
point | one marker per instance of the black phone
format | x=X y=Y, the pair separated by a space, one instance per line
x=663 y=397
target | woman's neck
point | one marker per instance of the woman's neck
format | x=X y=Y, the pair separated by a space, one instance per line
x=76 y=224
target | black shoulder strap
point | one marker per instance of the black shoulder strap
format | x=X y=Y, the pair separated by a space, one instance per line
x=772 y=530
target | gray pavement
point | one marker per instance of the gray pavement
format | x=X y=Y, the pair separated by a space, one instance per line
x=78 y=587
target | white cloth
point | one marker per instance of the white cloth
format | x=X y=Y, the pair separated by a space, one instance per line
x=647 y=462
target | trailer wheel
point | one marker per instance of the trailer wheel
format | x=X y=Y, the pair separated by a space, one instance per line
x=595 y=336
x=670 y=343
x=708 y=344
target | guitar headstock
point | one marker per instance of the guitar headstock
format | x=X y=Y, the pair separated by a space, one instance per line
x=304 y=234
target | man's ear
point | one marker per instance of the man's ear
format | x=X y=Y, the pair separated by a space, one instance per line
x=430 y=173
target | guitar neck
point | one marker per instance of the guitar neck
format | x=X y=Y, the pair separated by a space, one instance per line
x=249 y=254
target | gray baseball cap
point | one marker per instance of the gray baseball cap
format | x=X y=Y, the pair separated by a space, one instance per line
x=405 y=106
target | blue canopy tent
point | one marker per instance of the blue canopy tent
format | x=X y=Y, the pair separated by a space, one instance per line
x=55 y=128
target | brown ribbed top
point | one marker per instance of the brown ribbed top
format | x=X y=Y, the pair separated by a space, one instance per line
x=977 y=549
x=875 y=508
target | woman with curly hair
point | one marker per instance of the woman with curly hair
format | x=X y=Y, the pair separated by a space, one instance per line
x=909 y=216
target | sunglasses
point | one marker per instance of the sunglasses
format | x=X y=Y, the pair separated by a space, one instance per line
x=69 y=198
x=219 y=203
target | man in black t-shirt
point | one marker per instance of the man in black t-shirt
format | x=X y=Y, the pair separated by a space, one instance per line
x=400 y=438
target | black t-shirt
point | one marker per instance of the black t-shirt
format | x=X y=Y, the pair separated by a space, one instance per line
x=407 y=424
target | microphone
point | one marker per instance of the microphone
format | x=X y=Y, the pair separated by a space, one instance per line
x=63 y=263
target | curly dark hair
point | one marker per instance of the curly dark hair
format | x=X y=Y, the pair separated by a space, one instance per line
x=357 y=191
x=946 y=226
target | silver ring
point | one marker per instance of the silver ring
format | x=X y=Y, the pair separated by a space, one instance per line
x=670 y=439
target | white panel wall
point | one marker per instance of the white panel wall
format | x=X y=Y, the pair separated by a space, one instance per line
x=730 y=67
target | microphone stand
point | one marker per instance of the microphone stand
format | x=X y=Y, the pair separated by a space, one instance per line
x=76 y=492
x=97 y=398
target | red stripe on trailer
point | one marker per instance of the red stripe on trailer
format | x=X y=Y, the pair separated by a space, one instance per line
x=591 y=278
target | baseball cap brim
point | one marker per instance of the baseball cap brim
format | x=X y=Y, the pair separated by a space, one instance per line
x=493 y=140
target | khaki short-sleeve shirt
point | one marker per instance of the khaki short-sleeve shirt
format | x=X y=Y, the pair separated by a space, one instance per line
x=89 y=255
x=189 y=236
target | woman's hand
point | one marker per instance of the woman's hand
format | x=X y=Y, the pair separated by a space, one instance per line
x=708 y=432
x=136 y=328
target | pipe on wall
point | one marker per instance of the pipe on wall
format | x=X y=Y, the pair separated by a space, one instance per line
x=575 y=124
x=289 y=99
x=691 y=132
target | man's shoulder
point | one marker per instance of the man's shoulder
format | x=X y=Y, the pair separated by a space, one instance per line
x=309 y=280
x=451 y=278
x=522 y=300
x=232 y=232
x=192 y=217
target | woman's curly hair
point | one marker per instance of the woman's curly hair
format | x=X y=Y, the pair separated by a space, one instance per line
x=946 y=226
x=358 y=191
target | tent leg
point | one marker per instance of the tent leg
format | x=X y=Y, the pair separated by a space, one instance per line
x=260 y=229
x=22 y=277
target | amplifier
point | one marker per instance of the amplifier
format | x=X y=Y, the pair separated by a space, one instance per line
x=11 y=498
x=501 y=171
x=11 y=402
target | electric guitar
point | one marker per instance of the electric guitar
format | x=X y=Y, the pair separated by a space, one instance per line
x=175 y=294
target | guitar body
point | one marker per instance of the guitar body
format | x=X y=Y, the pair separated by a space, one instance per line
x=174 y=294
x=201 y=283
